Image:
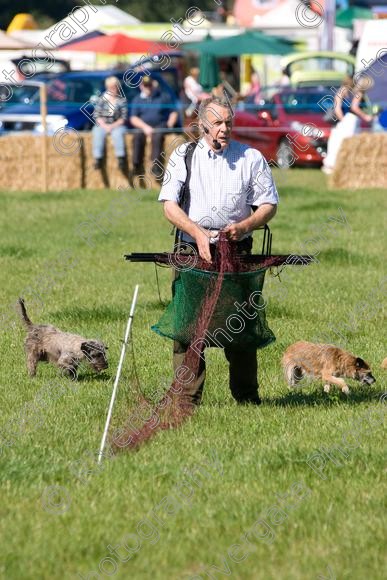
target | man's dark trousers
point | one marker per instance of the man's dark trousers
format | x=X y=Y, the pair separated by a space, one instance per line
x=139 y=142
x=242 y=373
x=243 y=365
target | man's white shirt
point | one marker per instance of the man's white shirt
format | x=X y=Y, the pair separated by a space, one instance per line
x=223 y=185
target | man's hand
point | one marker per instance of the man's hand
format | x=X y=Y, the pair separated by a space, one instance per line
x=172 y=119
x=235 y=232
x=148 y=130
x=263 y=214
x=117 y=123
x=203 y=243
x=102 y=123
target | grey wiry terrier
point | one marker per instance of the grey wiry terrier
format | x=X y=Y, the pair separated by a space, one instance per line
x=45 y=343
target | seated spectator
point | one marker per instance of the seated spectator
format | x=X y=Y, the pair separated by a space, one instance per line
x=110 y=114
x=152 y=113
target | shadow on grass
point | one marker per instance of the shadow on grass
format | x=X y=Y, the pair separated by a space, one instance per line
x=18 y=252
x=323 y=205
x=276 y=310
x=341 y=257
x=301 y=399
x=155 y=305
x=97 y=313
x=293 y=191
x=86 y=377
x=53 y=197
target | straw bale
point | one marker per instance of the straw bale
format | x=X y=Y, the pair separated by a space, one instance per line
x=70 y=163
x=22 y=166
x=361 y=163
x=111 y=176
x=65 y=164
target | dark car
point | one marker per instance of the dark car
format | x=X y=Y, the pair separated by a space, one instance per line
x=287 y=125
x=70 y=100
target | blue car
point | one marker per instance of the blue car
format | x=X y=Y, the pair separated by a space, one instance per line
x=70 y=100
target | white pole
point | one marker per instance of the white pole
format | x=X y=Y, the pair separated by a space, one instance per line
x=43 y=113
x=128 y=326
x=327 y=30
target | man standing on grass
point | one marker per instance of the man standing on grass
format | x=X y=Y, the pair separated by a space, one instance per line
x=231 y=189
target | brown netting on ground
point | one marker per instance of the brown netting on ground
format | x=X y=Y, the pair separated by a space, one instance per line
x=361 y=163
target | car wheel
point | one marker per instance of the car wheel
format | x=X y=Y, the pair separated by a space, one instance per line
x=285 y=155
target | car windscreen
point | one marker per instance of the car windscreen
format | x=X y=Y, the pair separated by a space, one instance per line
x=321 y=63
x=13 y=95
x=72 y=90
x=79 y=91
x=299 y=102
x=63 y=90
x=308 y=102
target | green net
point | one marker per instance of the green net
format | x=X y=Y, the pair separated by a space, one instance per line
x=239 y=316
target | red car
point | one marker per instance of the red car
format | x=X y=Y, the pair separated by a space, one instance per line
x=286 y=125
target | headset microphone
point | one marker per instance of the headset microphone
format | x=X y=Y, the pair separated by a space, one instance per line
x=215 y=143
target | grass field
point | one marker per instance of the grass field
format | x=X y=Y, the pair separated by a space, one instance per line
x=259 y=490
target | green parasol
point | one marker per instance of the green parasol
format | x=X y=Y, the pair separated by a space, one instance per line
x=345 y=18
x=209 y=72
x=249 y=42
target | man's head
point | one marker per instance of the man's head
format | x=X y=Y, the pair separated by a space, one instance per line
x=215 y=122
x=112 y=85
x=147 y=85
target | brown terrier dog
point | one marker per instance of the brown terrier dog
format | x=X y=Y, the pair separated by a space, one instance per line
x=325 y=362
x=46 y=343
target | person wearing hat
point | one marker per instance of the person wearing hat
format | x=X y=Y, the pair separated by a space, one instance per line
x=152 y=113
x=110 y=114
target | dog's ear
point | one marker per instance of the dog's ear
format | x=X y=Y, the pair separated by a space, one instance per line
x=98 y=346
x=87 y=347
x=91 y=345
x=360 y=363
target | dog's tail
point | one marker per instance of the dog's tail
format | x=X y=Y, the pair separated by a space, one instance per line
x=23 y=313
